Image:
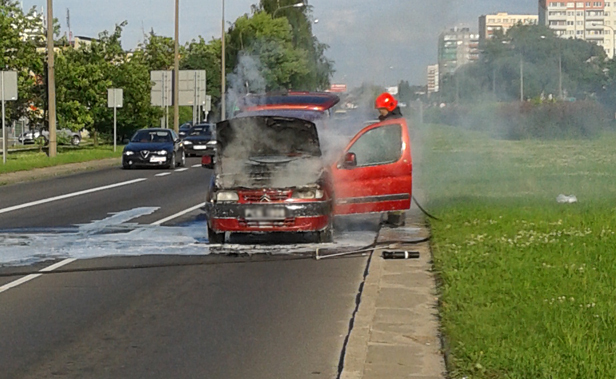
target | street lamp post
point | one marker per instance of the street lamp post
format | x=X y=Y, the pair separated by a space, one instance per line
x=296 y=5
x=176 y=71
x=51 y=82
x=223 y=84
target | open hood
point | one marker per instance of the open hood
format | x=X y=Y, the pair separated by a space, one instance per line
x=267 y=152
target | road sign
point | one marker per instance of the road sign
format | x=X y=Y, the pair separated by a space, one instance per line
x=162 y=90
x=8 y=92
x=115 y=98
x=192 y=87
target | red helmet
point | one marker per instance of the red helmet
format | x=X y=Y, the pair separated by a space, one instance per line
x=387 y=101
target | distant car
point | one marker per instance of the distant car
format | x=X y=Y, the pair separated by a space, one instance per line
x=184 y=128
x=200 y=140
x=31 y=136
x=154 y=147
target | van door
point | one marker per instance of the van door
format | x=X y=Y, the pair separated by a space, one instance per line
x=375 y=172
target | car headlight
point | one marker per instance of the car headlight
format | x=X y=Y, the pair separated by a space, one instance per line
x=129 y=153
x=308 y=193
x=187 y=143
x=162 y=152
x=227 y=196
x=211 y=142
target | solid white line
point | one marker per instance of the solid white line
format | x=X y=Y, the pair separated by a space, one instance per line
x=69 y=195
x=179 y=214
x=181 y=169
x=163 y=174
x=196 y=165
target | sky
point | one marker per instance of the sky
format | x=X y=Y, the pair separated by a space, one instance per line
x=375 y=41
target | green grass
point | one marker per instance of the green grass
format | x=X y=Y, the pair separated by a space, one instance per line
x=528 y=286
x=21 y=161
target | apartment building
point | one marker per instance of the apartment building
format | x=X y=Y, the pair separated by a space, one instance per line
x=609 y=31
x=578 y=19
x=502 y=21
x=433 y=79
x=457 y=47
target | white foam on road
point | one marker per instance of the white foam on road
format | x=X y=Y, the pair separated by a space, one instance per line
x=116 y=237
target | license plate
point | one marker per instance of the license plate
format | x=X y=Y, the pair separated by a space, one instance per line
x=158 y=159
x=265 y=213
x=198 y=147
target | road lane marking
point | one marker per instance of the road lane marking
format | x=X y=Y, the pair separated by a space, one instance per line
x=69 y=195
x=163 y=174
x=195 y=165
x=30 y=277
x=65 y=262
x=179 y=214
x=181 y=169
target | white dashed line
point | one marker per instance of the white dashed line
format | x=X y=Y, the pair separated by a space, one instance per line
x=195 y=165
x=179 y=214
x=30 y=277
x=69 y=195
x=181 y=169
x=163 y=174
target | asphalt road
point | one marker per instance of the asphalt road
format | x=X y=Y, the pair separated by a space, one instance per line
x=186 y=317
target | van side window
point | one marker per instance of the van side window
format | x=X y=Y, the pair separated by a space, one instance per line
x=379 y=146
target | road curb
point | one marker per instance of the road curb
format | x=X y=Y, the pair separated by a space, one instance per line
x=55 y=171
x=396 y=330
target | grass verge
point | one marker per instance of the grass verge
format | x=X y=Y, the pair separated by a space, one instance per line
x=21 y=161
x=528 y=285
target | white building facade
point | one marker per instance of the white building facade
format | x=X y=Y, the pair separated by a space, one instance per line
x=580 y=19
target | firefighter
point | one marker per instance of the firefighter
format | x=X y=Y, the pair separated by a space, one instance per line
x=387 y=106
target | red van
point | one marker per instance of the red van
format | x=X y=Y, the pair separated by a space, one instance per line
x=271 y=173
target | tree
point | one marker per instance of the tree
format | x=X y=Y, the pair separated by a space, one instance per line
x=19 y=53
x=262 y=54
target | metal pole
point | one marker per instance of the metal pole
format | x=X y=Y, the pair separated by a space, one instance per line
x=51 y=82
x=522 y=79
x=3 y=121
x=115 y=135
x=223 y=84
x=176 y=71
x=560 y=75
x=195 y=100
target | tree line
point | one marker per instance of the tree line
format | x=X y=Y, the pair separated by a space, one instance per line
x=278 y=41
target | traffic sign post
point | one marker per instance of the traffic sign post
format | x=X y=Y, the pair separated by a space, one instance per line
x=115 y=100
x=8 y=92
x=162 y=91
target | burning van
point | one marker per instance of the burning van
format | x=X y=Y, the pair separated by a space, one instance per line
x=271 y=175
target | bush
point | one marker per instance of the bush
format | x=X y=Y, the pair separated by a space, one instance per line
x=515 y=121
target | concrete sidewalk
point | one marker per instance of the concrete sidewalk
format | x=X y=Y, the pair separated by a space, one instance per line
x=396 y=330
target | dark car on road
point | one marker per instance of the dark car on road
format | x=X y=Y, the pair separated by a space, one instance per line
x=200 y=140
x=154 y=147
x=184 y=128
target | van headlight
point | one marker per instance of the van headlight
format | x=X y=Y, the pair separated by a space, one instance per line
x=228 y=196
x=308 y=193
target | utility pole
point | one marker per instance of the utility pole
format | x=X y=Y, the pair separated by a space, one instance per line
x=51 y=82
x=176 y=71
x=223 y=84
x=522 y=79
